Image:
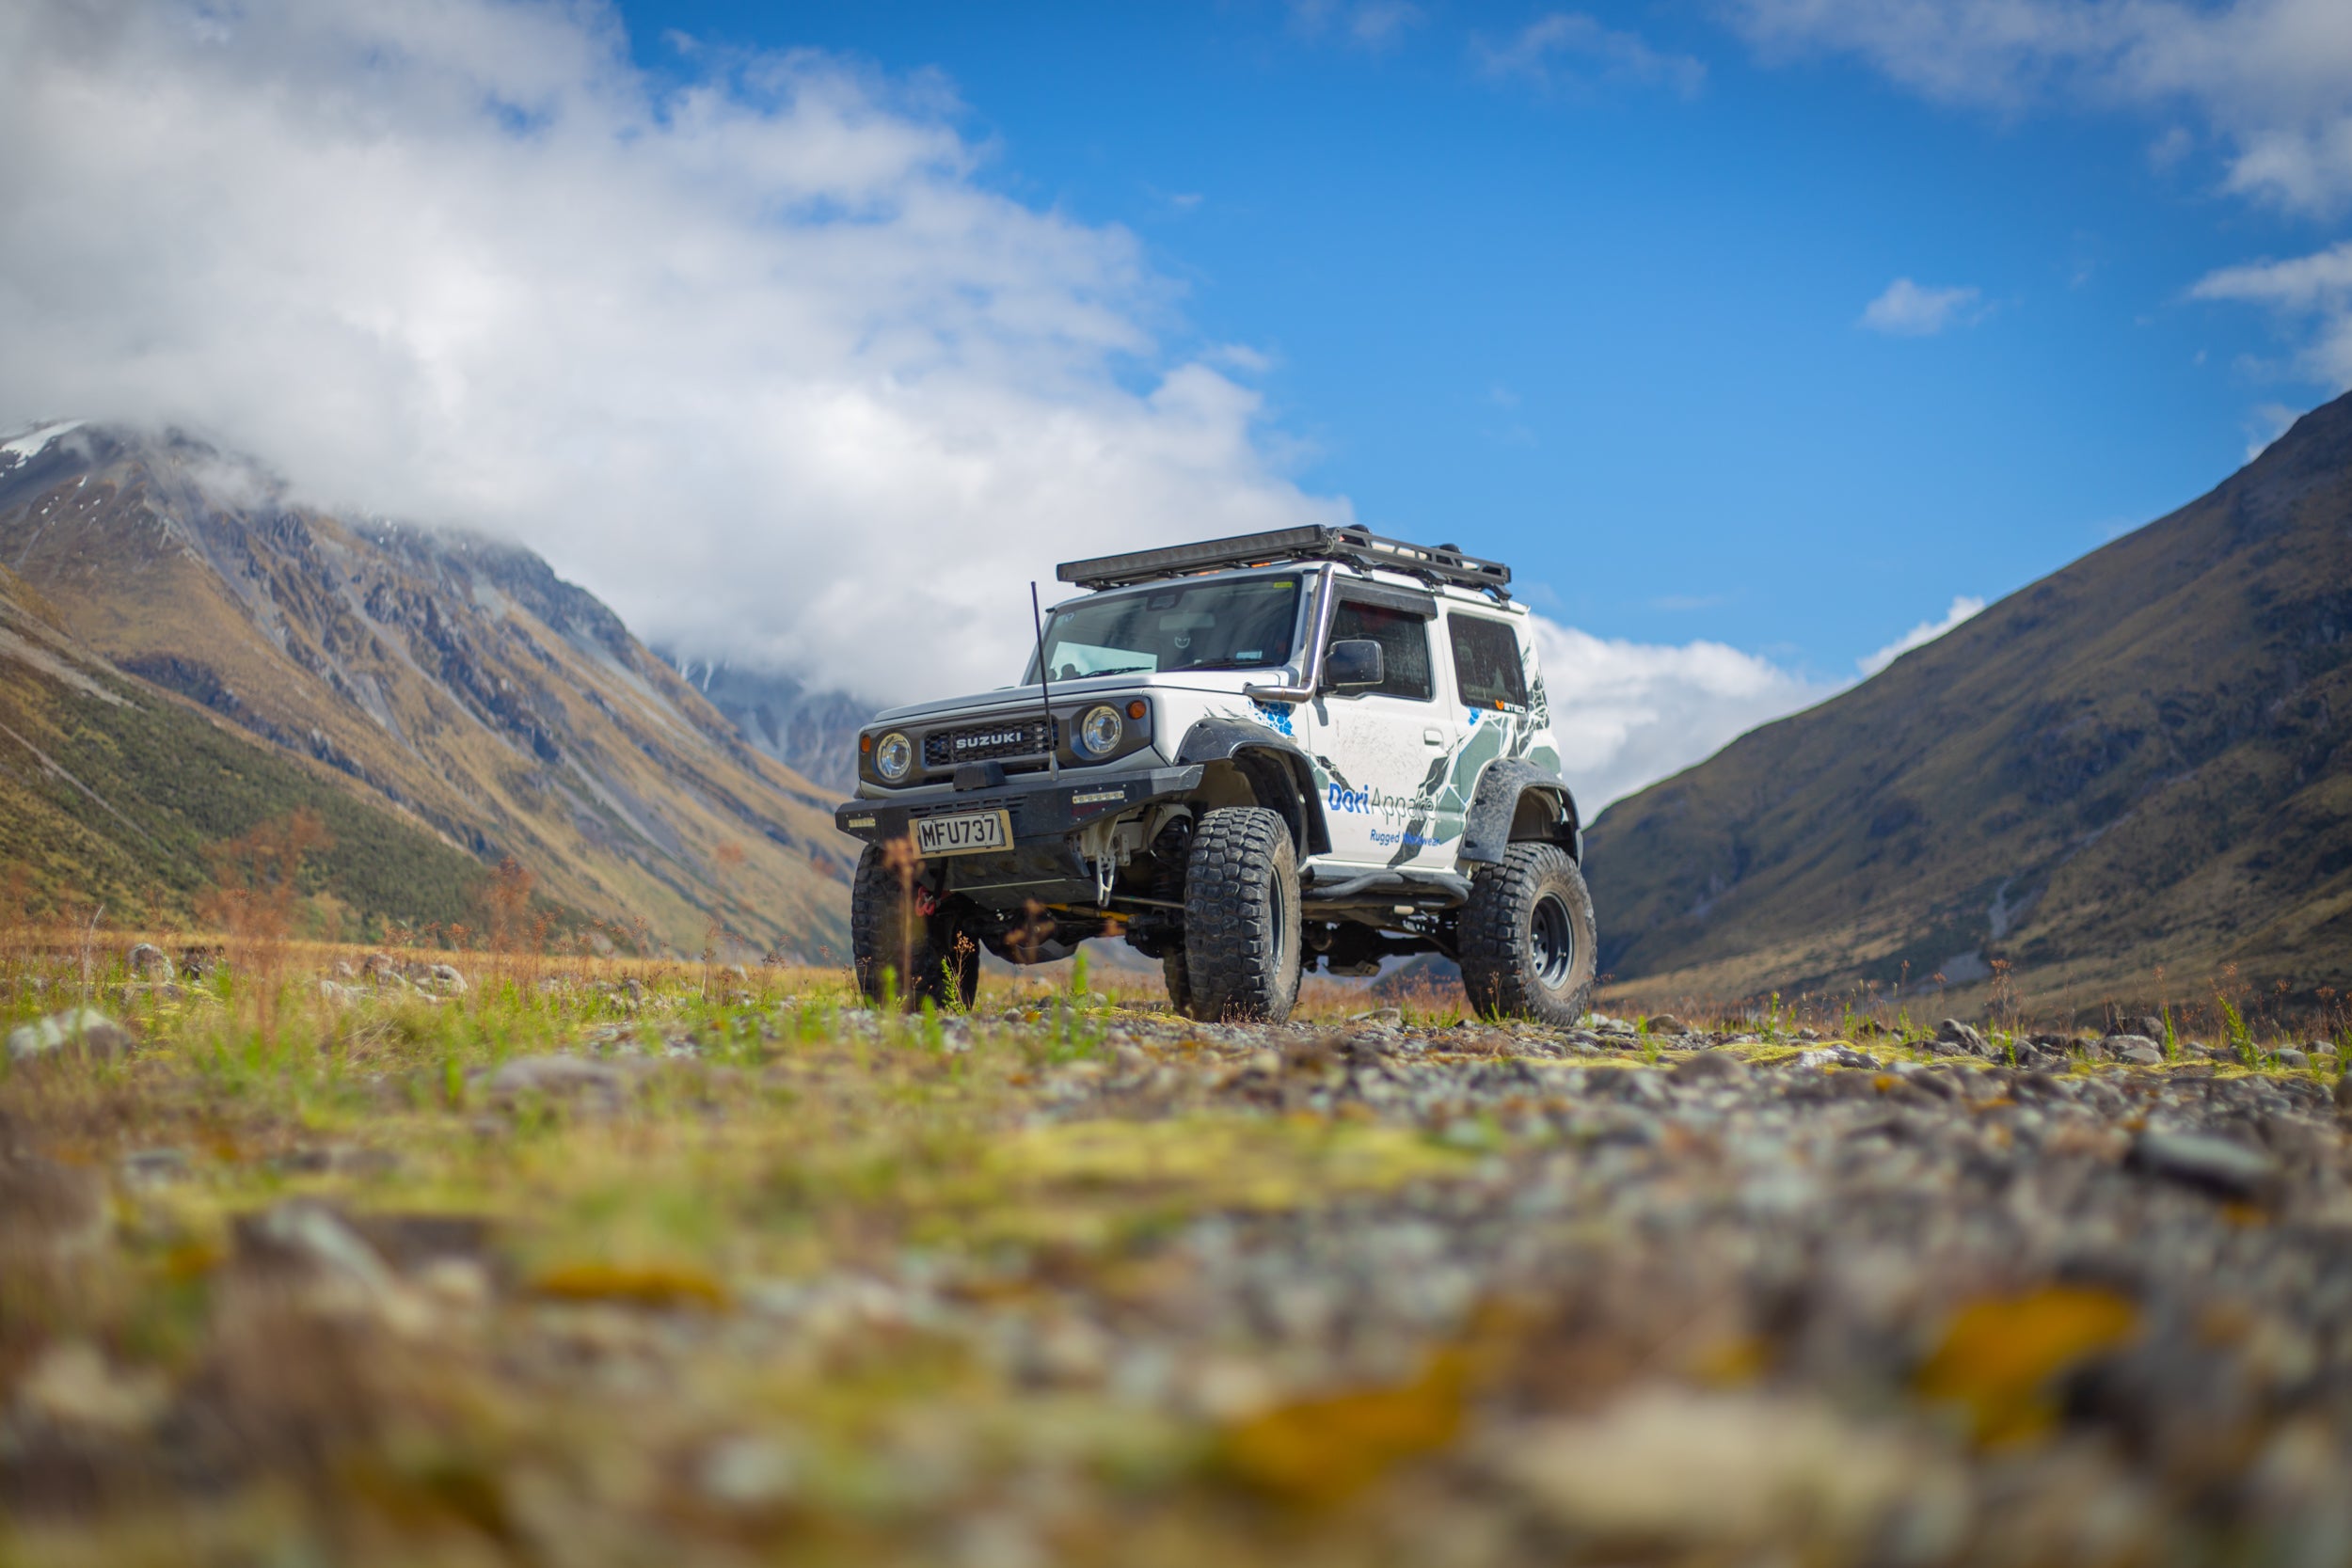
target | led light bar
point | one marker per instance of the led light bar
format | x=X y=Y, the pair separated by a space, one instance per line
x=1352 y=545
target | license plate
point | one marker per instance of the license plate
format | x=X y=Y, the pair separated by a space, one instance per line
x=964 y=834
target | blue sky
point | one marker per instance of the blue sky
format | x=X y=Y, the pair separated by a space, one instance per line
x=1605 y=323
x=1759 y=336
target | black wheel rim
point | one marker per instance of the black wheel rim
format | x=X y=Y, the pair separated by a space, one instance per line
x=1551 y=937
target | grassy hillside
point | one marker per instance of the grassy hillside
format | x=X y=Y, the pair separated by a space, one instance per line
x=456 y=682
x=2140 y=760
x=110 y=794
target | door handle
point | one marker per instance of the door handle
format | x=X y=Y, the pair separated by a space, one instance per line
x=1433 y=736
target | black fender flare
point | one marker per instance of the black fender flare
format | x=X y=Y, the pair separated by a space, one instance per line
x=1494 y=806
x=1259 y=751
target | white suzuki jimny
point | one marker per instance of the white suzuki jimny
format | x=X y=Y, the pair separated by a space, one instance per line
x=1244 y=756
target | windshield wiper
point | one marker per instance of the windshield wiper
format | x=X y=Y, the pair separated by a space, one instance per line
x=1122 y=669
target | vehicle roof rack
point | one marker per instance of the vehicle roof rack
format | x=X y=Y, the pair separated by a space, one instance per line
x=1440 y=564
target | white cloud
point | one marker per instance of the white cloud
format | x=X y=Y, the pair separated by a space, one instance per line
x=2313 y=290
x=1369 y=24
x=1628 y=714
x=2264 y=425
x=1569 y=47
x=1921 y=635
x=758 y=357
x=2272 y=77
x=2269 y=80
x=1907 y=311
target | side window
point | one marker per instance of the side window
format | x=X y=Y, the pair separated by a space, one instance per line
x=1486 y=667
x=1403 y=639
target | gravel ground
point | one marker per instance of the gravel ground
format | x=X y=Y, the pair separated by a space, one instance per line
x=1105 y=1286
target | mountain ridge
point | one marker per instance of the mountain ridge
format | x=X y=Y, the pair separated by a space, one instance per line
x=453 y=679
x=2141 y=759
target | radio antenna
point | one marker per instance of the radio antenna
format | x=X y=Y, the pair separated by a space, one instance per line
x=1044 y=690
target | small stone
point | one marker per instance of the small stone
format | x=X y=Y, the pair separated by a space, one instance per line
x=1665 y=1468
x=446 y=979
x=747 y=1473
x=460 y=1283
x=1666 y=1023
x=71 y=1386
x=558 y=1077
x=2212 y=1165
x=1710 y=1067
x=2343 y=1097
x=1953 y=1037
x=2150 y=1026
x=2136 y=1048
x=149 y=962
x=49 y=1208
x=85 y=1029
x=2288 y=1057
x=155 y=1167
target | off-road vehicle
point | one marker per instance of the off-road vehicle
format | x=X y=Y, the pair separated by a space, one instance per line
x=1245 y=756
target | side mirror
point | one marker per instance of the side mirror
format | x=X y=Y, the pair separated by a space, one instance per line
x=1353 y=665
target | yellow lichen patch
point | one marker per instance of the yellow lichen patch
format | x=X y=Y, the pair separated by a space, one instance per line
x=1321 y=1451
x=634 y=1284
x=2000 y=1355
x=1732 y=1363
x=1249 y=1163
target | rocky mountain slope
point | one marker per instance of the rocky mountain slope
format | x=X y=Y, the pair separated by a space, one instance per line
x=111 y=792
x=812 y=733
x=455 y=681
x=2142 y=759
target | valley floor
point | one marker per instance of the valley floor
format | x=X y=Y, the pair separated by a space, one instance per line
x=623 y=1264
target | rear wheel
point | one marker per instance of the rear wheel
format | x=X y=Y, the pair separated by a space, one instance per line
x=930 y=954
x=1527 y=937
x=1241 y=948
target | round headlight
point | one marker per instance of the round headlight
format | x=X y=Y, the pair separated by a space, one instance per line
x=894 y=757
x=1100 y=730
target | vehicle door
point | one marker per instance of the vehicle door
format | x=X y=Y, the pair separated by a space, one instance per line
x=1491 y=713
x=1380 y=751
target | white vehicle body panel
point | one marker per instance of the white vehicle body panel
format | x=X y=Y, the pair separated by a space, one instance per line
x=1394 y=776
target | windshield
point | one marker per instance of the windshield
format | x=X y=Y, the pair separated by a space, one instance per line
x=1233 y=625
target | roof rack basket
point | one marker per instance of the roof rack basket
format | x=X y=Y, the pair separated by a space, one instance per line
x=1443 y=565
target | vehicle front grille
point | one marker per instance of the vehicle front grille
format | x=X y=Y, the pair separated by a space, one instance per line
x=1020 y=738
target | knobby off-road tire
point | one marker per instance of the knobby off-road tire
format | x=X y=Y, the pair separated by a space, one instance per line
x=1527 y=937
x=879 y=926
x=1241 y=917
x=1171 y=849
x=1179 y=978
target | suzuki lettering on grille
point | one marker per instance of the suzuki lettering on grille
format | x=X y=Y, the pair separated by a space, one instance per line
x=942 y=748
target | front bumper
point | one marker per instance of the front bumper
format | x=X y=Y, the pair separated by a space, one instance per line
x=1043 y=809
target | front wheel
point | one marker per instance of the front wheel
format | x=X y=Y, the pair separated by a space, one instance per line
x=1241 y=918
x=898 y=947
x=1527 y=937
x=1178 y=979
